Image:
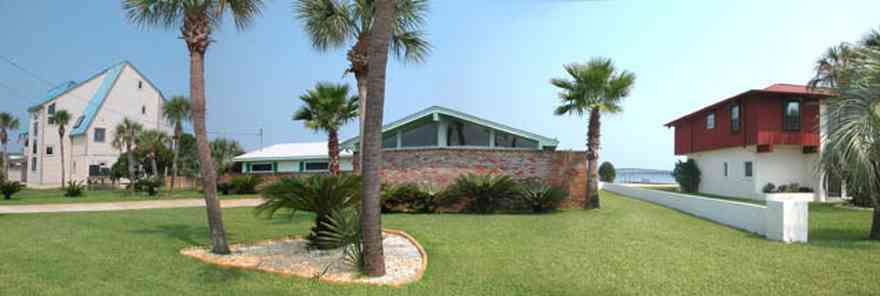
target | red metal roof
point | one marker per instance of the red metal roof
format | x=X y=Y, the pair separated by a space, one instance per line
x=782 y=88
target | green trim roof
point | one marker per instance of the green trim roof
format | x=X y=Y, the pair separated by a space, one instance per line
x=543 y=141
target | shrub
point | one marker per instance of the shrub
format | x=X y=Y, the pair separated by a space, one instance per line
x=607 y=173
x=318 y=194
x=540 y=197
x=246 y=184
x=224 y=187
x=148 y=185
x=343 y=228
x=74 y=188
x=769 y=188
x=687 y=175
x=409 y=198
x=485 y=194
x=9 y=188
x=805 y=190
x=793 y=187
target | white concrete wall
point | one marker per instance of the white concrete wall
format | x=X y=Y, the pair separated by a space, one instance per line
x=713 y=180
x=783 y=220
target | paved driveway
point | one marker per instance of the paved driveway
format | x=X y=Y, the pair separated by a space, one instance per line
x=124 y=205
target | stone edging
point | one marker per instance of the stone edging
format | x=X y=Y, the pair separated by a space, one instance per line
x=407 y=236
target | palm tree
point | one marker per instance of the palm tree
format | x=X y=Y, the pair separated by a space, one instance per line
x=851 y=147
x=8 y=122
x=371 y=142
x=196 y=20
x=223 y=151
x=832 y=68
x=596 y=87
x=333 y=24
x=124 y=138
x=328 y=107
x=152 y=141
x=177 y=110
x=61 y=118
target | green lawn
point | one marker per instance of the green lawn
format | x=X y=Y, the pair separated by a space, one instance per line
x=626 y=248
x=54 y=196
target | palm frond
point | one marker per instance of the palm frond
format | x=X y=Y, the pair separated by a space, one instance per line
x=329 y=23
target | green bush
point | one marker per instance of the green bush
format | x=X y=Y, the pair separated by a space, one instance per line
x=687 y=175
x=607 y=173
x=148 y=185
x=318 y=194
x=74 y=188
x=409 y=198
x=539 y=197
x=343 y=228
x=224 y=187
x=245 y=184
x=9 y=188
x=485 y=194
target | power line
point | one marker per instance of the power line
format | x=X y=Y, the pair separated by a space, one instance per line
x=89 y=102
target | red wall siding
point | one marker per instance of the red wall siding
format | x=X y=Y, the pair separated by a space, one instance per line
x=761 y=120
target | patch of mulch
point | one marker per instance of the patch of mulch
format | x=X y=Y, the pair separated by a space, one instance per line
x=405 y=260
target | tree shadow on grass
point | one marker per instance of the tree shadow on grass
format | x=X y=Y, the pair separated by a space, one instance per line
x=191 y=235
x=213 y=274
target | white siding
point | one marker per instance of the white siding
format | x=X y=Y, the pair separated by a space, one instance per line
x=713 y=180
x=786 y=165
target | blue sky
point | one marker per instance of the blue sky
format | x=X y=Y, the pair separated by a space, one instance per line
x=491 y=58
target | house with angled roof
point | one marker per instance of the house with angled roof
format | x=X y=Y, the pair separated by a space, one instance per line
x=96 y=104
x=758 y=137
x=436 y=145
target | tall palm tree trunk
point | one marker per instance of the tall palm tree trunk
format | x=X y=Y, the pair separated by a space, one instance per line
x=130 y=157
x=174 y=147
x=153 y=164
x=5 y=175
x=361 y=79
x=63 y=164
x=333 y=148
x=371 y=218
x=592 y=201
x=212 y=205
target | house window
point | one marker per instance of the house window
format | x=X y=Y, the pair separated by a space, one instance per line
x=94 y=170
x=792 y=116
x=51 y=108
x=33 y=164
x=725 y=169
x=79 y=121
x=100 y=133
x=317 y=166
x=144 y=109
x=34 y=148
x=710 y=121
x=50 y=150
x=735 y=121
x=36 y=128
x=389 y=140
x=748 y=169
x=460 y=133
x=261 y=167
x=506 y=140
x=421 y=136
x=140 y=84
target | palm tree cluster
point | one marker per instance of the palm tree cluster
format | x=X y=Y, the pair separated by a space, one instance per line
x=371 y=25
x=8 y=122
x=851 y=145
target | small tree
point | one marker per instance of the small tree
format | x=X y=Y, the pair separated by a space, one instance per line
x=687 y=174
x=61 y=118
x=607 y=173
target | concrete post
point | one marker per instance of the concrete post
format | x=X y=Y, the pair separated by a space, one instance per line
x=788 y=219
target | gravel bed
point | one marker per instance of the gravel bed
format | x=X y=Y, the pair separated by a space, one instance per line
x=403 y=260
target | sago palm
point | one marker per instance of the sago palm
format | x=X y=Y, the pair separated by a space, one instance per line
x=334 y=24
x=8 y=122
x=124 y=137
x=61 y=118
x=177 y=111
x=196 y=20
x=327 y=108
x=152 y=141
x=595 y=88
x=851 y=147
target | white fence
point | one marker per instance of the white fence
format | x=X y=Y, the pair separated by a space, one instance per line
x=782 y=219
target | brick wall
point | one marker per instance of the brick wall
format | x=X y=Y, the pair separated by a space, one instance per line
x=442 y=166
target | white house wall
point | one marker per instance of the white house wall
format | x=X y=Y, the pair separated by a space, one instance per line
x=713 y=180
x=786 y=165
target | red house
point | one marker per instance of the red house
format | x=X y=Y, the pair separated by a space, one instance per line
x=759 y=136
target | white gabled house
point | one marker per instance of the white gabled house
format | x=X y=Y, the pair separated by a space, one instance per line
x=96 y=105
x=292 y=158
